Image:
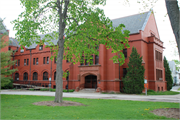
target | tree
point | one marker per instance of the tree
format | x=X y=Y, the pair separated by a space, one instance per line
x=6 y=60
x=177 y=62
x=78 y=25
x=174 y=16
x=134 y=79
x=168 y=75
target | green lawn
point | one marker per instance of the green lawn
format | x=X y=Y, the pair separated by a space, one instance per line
x=179 y=89
x=163 y=93
x=151 y=93
x=21 y=107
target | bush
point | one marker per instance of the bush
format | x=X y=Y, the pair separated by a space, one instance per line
x=31 y=89
x=44 y=89
x=52 y=90
x=149 y=90
x=8 y=86
x=65 y=90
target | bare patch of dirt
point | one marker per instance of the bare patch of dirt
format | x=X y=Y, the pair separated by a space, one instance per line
x=168 y=112
x=64 y=103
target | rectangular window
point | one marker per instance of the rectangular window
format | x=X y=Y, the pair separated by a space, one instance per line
x=27 y=61
x=158 y=74
x=124 y=72
x=158 y=55
x=82 y=60
x=55 y=59
x=125 y=53
x=96 y=59
x=22 y=50
x=86 y=63
x=67 y=61
x=41 y=47
x=18 y=62
x=91 y=60
x=34 y=61
x=47 y=60
x=24 y=62
x=44 y=60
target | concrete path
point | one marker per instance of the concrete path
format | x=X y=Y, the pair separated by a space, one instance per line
x=154 y=98
x=175 y=88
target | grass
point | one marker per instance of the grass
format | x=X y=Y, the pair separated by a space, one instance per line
x=150 y=92
x=163 y=93
x=21 y=107
x=179 y=89
x=54 y=90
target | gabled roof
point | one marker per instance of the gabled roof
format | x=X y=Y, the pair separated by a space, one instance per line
x=13 y=42
x=46 y=43
x=133 y=23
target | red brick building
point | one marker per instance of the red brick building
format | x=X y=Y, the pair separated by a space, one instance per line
x=35 y=67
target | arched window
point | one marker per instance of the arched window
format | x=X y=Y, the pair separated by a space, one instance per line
x=54 y=75
x=45 y=76
x=16 y=76
x=25 y=76
x=35 y=76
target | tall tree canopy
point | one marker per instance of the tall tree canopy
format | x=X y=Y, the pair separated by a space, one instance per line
x=134 y=79
x=5 y=58
x=168 y=75
x=78 y=25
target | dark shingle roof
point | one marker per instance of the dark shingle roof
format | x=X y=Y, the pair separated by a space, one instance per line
x=133 y=23
x=13 y=42
x=46 y=43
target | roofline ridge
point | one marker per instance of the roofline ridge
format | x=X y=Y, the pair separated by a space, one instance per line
x=146 y=20
x=130 y=15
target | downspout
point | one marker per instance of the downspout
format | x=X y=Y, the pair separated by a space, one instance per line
x=30 y=66
x=51 y=69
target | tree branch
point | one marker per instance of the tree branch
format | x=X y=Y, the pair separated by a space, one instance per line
x=42 y=9
x=74 y=20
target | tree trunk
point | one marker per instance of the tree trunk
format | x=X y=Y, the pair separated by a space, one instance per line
x=59 y=71
x=174 y=15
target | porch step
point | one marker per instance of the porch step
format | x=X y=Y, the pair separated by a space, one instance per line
x=88 y=90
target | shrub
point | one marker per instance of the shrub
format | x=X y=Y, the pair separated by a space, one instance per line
x=52 y=90
x=44 y=89
x=31 y=89
x=149 y=90
x=8 y=86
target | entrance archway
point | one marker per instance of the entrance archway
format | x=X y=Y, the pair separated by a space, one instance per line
x=90 y=81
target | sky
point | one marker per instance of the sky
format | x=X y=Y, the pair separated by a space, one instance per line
x=10 y=9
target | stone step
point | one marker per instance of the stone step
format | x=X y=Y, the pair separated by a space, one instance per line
x=88 y=90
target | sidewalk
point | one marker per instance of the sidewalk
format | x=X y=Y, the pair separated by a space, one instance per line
x=153 y=98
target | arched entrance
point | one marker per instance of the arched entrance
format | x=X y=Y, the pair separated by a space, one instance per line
x=90 y=81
